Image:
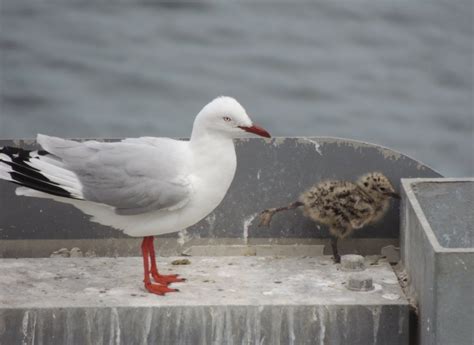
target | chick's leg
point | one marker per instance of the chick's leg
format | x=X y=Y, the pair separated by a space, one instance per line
x=335 y=252
x=337 y=231
x=266 y=216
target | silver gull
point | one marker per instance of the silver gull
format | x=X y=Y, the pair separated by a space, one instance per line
x=143 y=186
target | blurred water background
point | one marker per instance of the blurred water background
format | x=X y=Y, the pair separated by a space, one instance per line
x=397 y=73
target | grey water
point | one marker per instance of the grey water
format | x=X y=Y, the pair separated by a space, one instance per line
x=396 y=73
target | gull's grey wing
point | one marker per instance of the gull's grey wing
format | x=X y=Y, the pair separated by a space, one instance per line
x=134 y=176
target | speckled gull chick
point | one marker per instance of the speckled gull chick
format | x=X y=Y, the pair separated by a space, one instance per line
x=144 y=186
x=343 y=206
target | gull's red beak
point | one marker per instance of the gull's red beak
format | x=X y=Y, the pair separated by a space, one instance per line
x=256 y=130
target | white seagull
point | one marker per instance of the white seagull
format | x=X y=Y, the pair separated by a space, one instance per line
x=144 y=186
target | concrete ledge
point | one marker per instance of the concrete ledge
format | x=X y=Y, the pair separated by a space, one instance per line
x=113 y=247
x=226 y=300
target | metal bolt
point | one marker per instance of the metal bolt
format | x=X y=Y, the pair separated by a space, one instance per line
x=360 y=282
x=352 y=262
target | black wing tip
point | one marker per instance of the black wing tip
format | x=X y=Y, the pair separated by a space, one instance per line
x=18 y=152
x=25 y=175
x=41 y=186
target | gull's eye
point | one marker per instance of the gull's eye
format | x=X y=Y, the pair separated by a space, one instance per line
x=226 y=119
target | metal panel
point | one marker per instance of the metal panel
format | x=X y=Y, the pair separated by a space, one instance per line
x=438 y=255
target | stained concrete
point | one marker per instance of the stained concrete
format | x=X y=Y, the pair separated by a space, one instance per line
x=438 y=256
x=226 y=300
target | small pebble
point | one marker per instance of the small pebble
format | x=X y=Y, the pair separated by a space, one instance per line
x=390 y=281
x=181 y=262
x=391 y=296
x=392 y=253
x=90 y=254
x=76 y=253
x=61 y=253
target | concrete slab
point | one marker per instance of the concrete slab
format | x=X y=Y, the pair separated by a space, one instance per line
x=438 y=255
x=226 y=300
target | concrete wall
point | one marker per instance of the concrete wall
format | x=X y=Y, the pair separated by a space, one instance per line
x=270 y=173
x=440 y=274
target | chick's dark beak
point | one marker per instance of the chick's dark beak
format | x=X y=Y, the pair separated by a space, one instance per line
x=393 y=195
x=256 y=130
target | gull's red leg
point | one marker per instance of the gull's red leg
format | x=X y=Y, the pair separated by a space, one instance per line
x=160 y=278
x=158 y=289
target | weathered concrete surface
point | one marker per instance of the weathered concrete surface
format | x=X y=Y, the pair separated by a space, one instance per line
x=436 y=217
x=226 y=300
x=256 y=250
x=270 y=173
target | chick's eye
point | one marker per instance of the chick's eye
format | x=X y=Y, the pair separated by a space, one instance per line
x=226 y=119
x=382 y=189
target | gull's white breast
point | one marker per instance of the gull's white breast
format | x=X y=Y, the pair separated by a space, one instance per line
x=211 y=168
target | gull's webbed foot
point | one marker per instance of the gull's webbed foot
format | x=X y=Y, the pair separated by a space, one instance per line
x=166 y=279
x=158 y=289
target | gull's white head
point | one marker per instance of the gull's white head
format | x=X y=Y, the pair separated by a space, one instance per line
x=226 y=116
